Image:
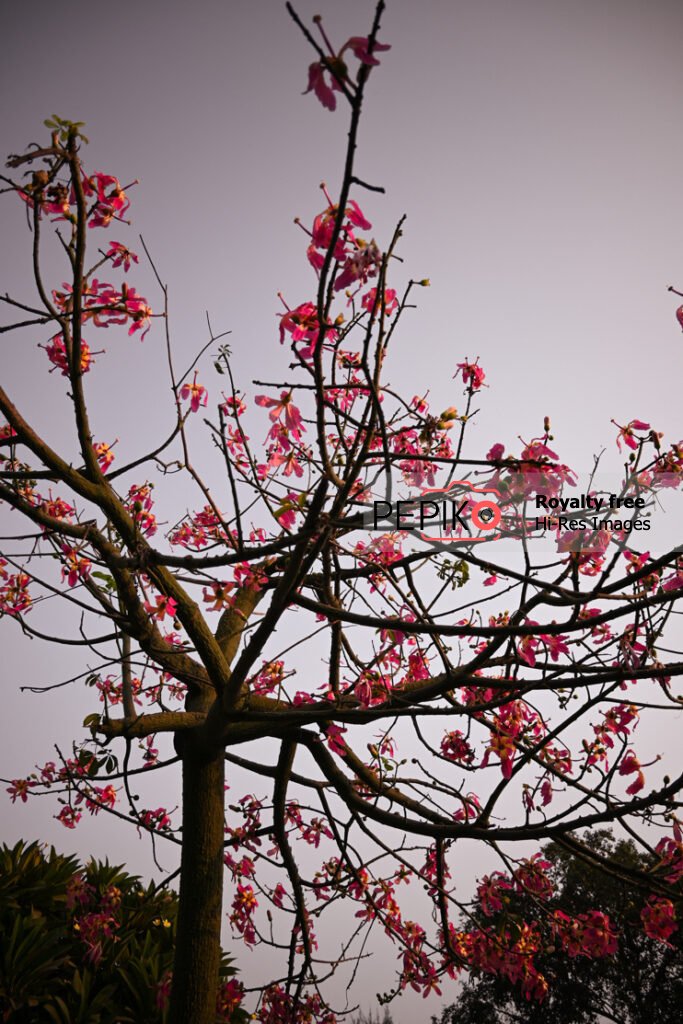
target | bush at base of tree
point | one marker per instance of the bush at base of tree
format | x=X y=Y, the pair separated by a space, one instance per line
x=87 y=944
x=641 y=983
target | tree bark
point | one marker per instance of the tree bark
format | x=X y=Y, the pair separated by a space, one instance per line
x=197 y=952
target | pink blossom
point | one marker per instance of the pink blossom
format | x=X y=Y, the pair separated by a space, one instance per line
x=496 y=452
x=196 y=393
x=75 y=567
x=111 y=202
x=317 y=82
x=630 y=765
x=14 y=595
x=491 y=892
x=555 y=645
x=283 y=411
x=56 y=353
x=155 y=820
x=472 y=375
x=138 y=310
x=121 y=256
x=218 y=595
x=335 y=67
x=302 y=323
x=19 y=789
x=626 y=433
x=69 y=817
x=359 y=46
x=163 y=606
x=659 y=919
x=455 y=747
x=359 y=266
x=335 y=742
x=356 y=216
x=103 y=797
x=104 y=454
x=673 y=582
x=389 y=297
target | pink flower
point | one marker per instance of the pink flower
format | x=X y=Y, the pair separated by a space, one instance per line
x=138 y=310
x=496 y=452
x=163 y=606
x=318 y=83
x=111 y=202
x=390 y=301
x=472 y=374
x=278 y=894
x=491 y=892
x=626 y=433
x=121 y=256
x=335 y=742
x=75 y=568
x=197 y=394
x=56 y=353
x=359 y=266
x=283 y=411
x=673 y=582
x=659 y=919
x=163 y=991
x=157 y=819
x=151 y=754
x=455 y=747
x=555 y=645
x=630 y=765
x=356 y=216
x=359 y=46
x=233 y=406
x=679 y=315
x=335 y=67
x=218 y=595
x=19 y=789
x=69 y=817
x=103 y=797
x=526 y=648
x=105 y=455
x=139 y=504
x=14 y=595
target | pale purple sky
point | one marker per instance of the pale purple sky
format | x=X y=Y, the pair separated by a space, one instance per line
x=535 y=147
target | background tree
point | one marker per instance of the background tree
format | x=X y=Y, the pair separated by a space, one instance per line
x=385 y=705
x=641 y=982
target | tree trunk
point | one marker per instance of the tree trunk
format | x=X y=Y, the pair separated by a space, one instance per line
x=197 y=952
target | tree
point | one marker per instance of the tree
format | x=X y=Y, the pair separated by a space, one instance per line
x=641 y=982
x=87 y=943
x=349 y=552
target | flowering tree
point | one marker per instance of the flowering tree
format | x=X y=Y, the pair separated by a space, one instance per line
x=639 y=983
x=424 y=709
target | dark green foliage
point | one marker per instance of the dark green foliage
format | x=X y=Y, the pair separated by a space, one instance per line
x=641 y=984
x=85 y=945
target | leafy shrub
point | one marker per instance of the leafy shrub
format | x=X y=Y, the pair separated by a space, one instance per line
x=88 y=944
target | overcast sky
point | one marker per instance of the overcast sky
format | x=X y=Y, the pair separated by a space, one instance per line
x=535 y=147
